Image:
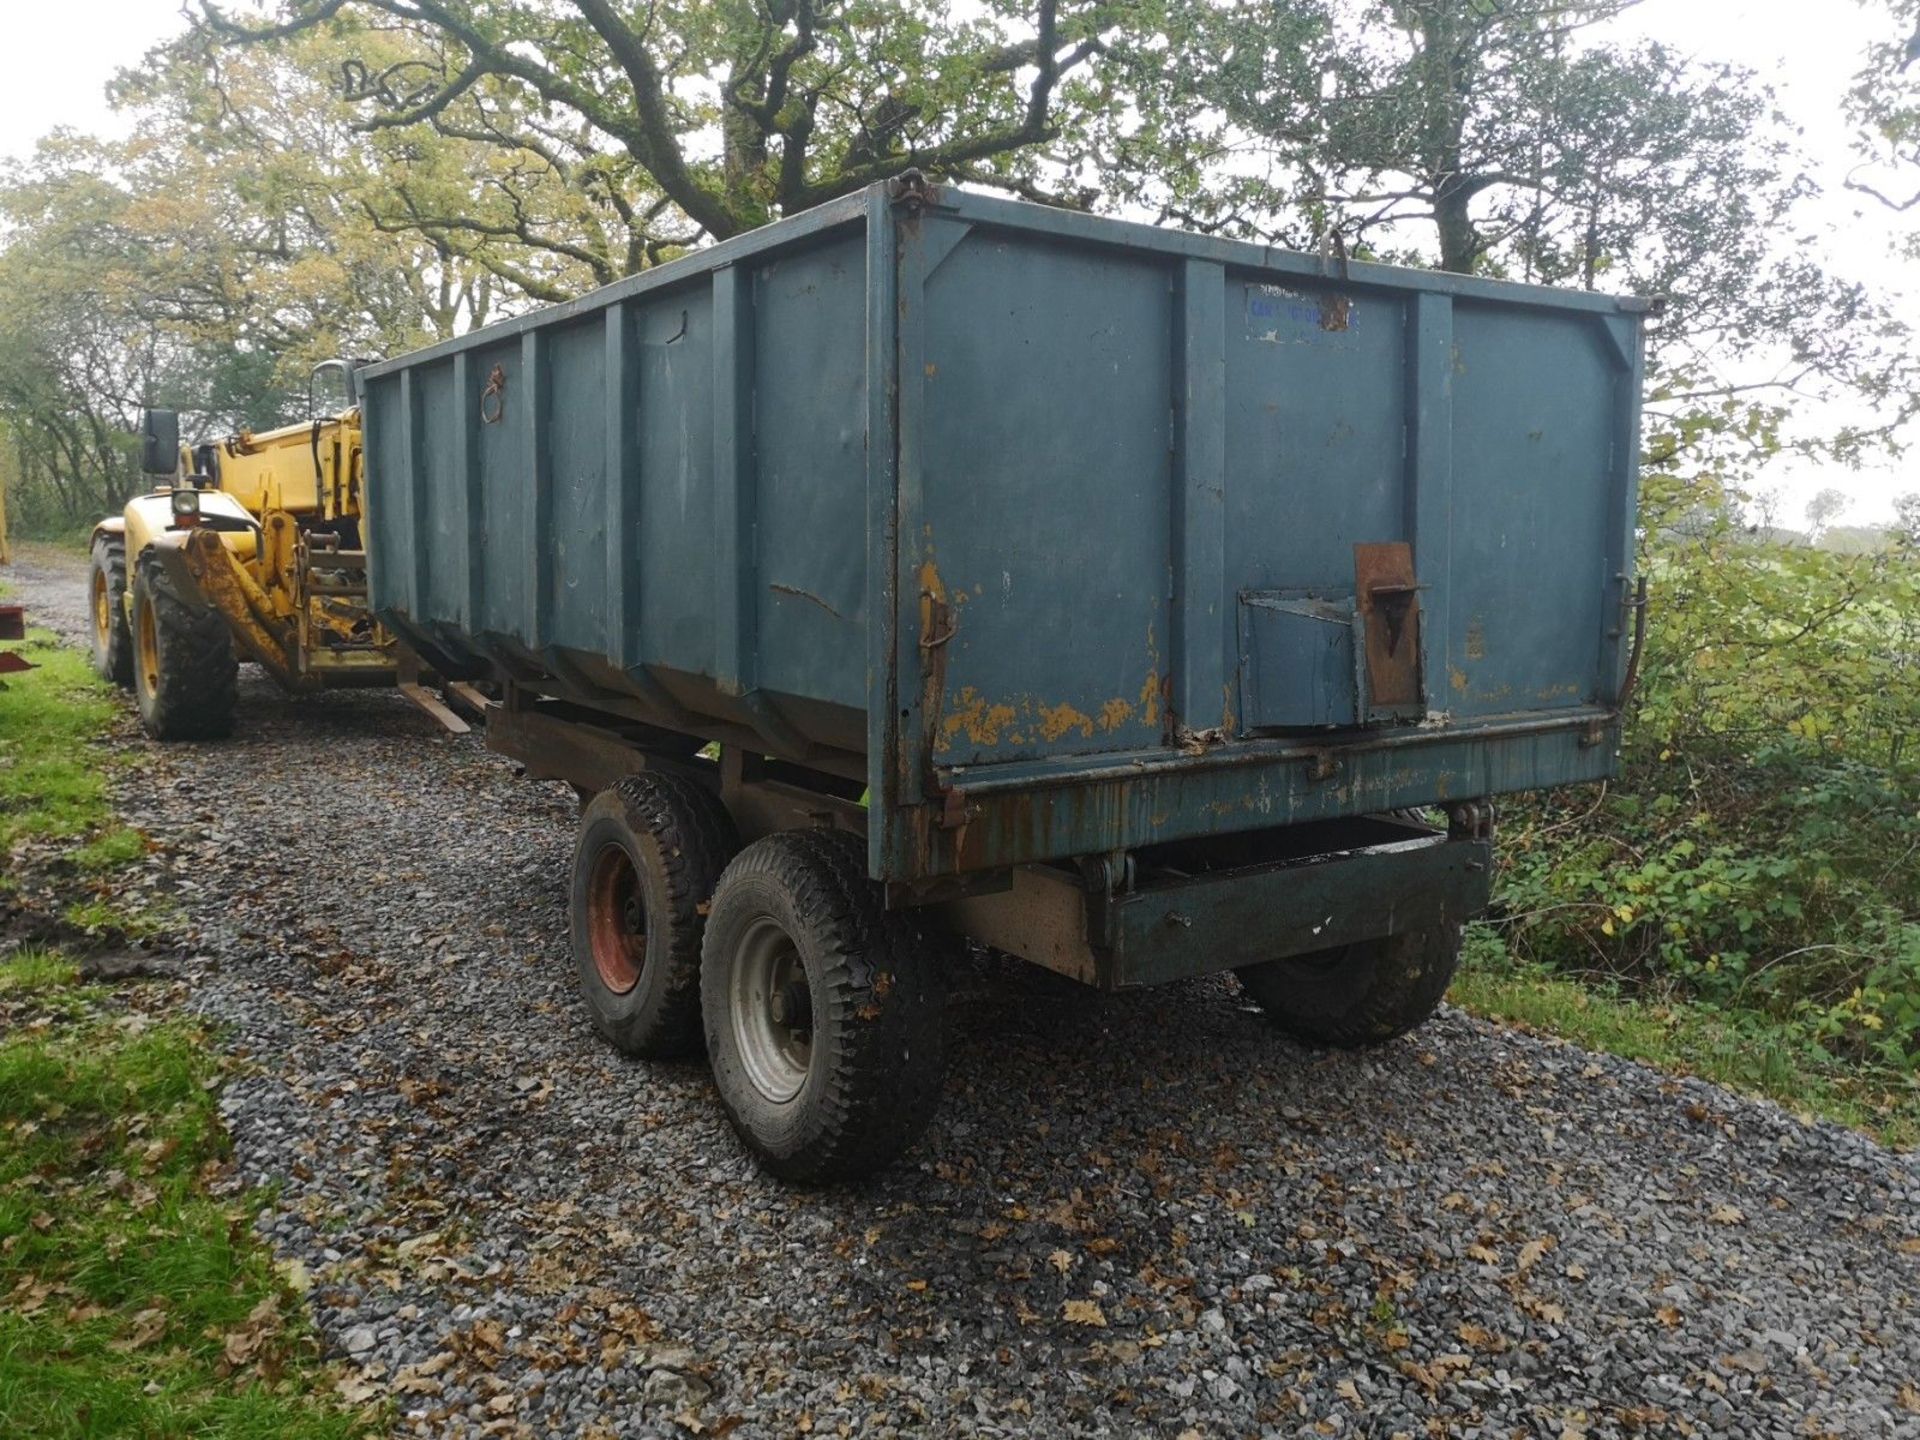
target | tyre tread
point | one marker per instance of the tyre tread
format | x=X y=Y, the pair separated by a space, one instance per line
x=695 y=838
x=199 y=673
x=883 y=993
x=115 y=661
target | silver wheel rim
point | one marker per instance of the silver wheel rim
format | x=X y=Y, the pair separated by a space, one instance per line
x=772 y=1011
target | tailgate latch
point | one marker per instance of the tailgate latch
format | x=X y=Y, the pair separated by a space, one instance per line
x=1387 y=597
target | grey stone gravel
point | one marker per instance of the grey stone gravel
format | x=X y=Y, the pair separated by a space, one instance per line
x=1142 y=1214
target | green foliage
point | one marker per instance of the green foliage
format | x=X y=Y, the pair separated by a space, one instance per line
x=136 y=1302
x=1761 y=851
x=712 y=118
x=205 y=262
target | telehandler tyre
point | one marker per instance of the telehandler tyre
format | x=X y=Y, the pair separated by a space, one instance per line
x=110 y=636
x=1353 y=996
x=184 y=670
x=823 y=1009
x=650 y=852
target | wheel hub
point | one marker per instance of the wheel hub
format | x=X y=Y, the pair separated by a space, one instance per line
x=616 y=919
x=772 y=1011
x=792 y=1006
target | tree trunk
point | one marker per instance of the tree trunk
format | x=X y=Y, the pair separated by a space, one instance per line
x=1448 y=80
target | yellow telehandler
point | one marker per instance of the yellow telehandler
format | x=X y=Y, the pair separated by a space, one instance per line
x=249 y=546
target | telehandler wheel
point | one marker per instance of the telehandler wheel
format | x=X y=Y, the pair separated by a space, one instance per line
x=110 y=636
x=650 y=851
x=822 y=1008
x=1353 y=996
x=184 y=670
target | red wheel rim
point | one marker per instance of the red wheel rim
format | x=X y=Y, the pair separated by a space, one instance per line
x=616 y=919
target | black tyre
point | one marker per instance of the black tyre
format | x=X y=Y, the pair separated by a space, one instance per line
x=1357 y=995
x=650 y=851
x=110 y=636
x=822 y=1008
x=184 y=670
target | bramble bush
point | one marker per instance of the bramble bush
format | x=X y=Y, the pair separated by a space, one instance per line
x=1761 y=850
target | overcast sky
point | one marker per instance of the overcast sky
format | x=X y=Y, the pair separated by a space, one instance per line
x=65 y=52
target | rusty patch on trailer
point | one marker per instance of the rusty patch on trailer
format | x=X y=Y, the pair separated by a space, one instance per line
x=980 y=722
x=1115 y=713
x=1458 y=678
x=1476 y=640
x=1057 y=720
x=1150 y=699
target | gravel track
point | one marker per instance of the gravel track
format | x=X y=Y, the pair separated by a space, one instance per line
x=1144 y=1214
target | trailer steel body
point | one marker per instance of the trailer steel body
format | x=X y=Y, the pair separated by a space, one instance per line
x=1117 y=585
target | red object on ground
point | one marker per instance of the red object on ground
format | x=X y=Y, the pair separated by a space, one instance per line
x=13 y=626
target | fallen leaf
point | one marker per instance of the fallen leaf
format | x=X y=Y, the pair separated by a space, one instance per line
x=1480 y=1338
x=356 y=1389
x=1727 y=1215
x=148 y=1326
x=1084 y=1312
x=1531 y=1252
x=1668 y=1316
x=1061 y=1261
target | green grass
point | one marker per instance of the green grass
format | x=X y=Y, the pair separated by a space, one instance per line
x=1744 y=1051
x=53 y=776
x=133 y=1301
x=114 y=846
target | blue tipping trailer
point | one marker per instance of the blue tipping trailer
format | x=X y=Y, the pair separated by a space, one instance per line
x=1109 y=592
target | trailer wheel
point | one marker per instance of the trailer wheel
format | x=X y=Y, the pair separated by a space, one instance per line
x=822 y=1008
x=1361 y=994
x=184 y=670
x=650 y=851
x=110 y=637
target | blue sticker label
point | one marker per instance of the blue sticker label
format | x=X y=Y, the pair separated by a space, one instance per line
x=1279 y=315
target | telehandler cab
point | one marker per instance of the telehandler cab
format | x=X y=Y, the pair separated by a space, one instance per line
x=248 y=546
